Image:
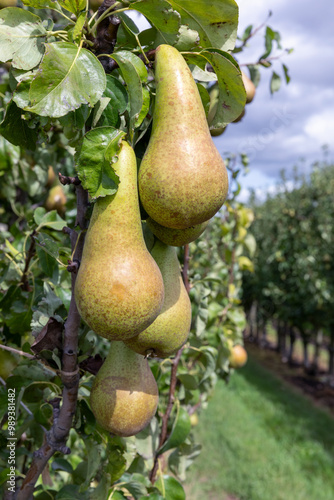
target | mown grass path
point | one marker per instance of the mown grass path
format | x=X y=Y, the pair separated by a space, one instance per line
x=262 y=440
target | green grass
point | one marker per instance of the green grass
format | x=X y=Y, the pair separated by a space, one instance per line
x=262 y=441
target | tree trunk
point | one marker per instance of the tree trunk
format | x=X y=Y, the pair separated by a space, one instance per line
x=305 y=349
x=264 y=341
x=278 y=338
x=317 y=344
x=331 y=352
x=284 y=332
x=292 y=336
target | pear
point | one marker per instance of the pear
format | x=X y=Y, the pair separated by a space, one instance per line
x=238 y=356
x=124 y=396
x=171 y=328
x=249 y=87
x=119 y=288
x=176 y=237
x=182 y=178
x=56 y=200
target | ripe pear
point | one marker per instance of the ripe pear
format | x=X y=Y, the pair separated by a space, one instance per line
x=176 y=237
x=56 y=200
x=171 y=328
x=124 y=396
x=238 y=356
x=119 y=288
x=182 y=178
x=249 y=87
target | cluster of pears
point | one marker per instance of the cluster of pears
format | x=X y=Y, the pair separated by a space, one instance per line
x=132 y=295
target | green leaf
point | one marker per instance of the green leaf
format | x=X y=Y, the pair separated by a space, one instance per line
x=215 y=21
x=94 y=160
x=41 y=4
x=205 y=96
x=208 y=360
x=16 y=130
x=22 y=38
x=101 y=492
x=117 y=103
x=46 y=309
x=145 y=108
x=116 y=462
x=170 y=488
x=286 y=73
x=71 y=492
x=74 y=6
x=67 y=78
x=232 y=95
x=187 y=39
x=270 y=37
x=94 y=452
x=255 y=73
x=189 y=381
x=61 y=464
x=161 y=16
x=48 y=219
x=76 y=32
x=180 y=430
x=182 y=458
x=135 y=483
x=275 y=83
x=134 y=73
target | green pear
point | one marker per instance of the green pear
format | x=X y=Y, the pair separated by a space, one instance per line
x=176 y=237
x=124 y=396
x=171 y=328
x=182 y=178
x=119 y=288
x=249 y=87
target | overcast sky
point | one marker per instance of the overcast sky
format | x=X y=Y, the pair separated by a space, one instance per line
x=277 y=131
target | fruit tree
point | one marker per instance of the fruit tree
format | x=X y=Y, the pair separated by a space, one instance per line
x=108 y=176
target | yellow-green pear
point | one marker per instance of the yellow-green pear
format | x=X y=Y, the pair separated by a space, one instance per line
x=124 y=396
x=176 y=237
x=171 y=328
x=182 y=178
x=119 y=288
x=249 y=87
x=56 y=199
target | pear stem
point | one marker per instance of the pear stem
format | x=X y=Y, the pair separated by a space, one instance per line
x=55 y=439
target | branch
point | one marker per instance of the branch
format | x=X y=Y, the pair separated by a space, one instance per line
x=21 y=353
x=165 y=418
x=62 y=417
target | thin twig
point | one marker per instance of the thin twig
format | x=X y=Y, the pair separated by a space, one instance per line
x=16 y=351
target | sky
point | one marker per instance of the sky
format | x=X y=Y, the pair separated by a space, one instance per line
x=290 y=127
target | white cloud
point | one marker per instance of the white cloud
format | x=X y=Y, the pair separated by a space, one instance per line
x=320 y=127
